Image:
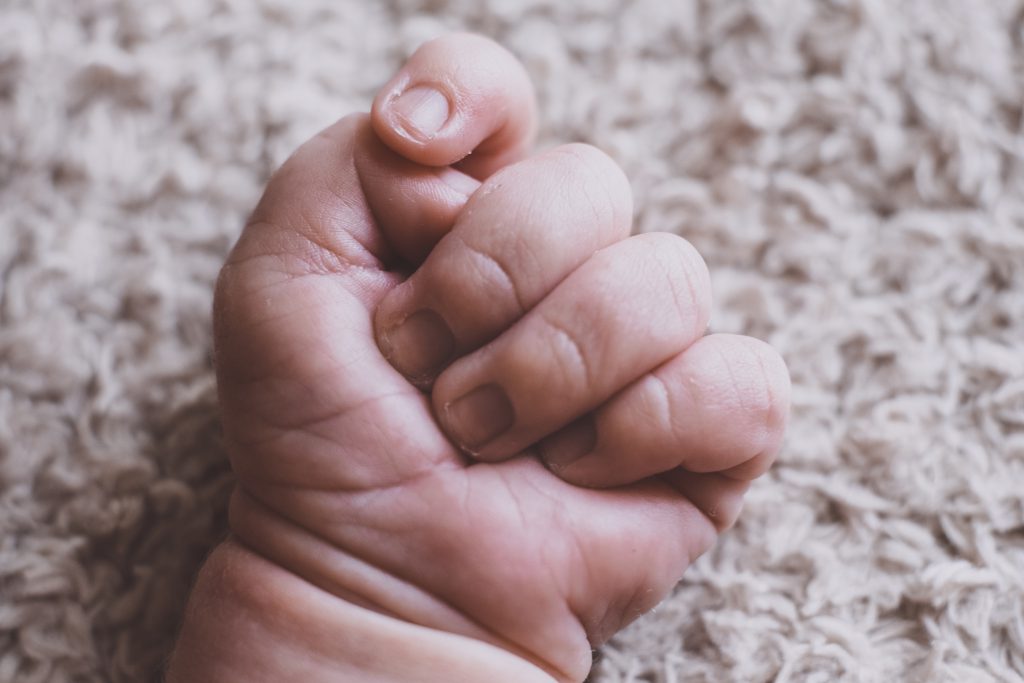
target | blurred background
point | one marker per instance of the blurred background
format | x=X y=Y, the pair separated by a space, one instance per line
x=851 y=170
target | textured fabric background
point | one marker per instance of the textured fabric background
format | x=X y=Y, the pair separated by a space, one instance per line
x=851 y=169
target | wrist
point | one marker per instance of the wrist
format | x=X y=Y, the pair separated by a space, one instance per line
x=250 y=620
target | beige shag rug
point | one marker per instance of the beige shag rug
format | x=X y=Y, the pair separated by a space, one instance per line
x=851 y=169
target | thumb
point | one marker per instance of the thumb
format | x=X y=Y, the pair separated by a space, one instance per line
x=458 y=94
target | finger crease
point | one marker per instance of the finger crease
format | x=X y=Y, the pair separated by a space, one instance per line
x=771 y=401
x=574 y=348
x=494 y=265
x=685 y=308
x=665 y=401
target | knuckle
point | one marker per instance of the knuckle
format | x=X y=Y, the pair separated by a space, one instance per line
x=761 y=384
x=600 y=181
x=571 y=352
x=775 y=377
x=662 y=393
x=493 y=274
x=684 y=274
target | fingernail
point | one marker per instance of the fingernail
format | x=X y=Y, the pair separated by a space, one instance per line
x=479 y=416
x=422 y=110
x=420 y=346
x=569 y=445
x=464 y=184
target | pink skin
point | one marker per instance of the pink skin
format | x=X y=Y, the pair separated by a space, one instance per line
x=604 y=441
